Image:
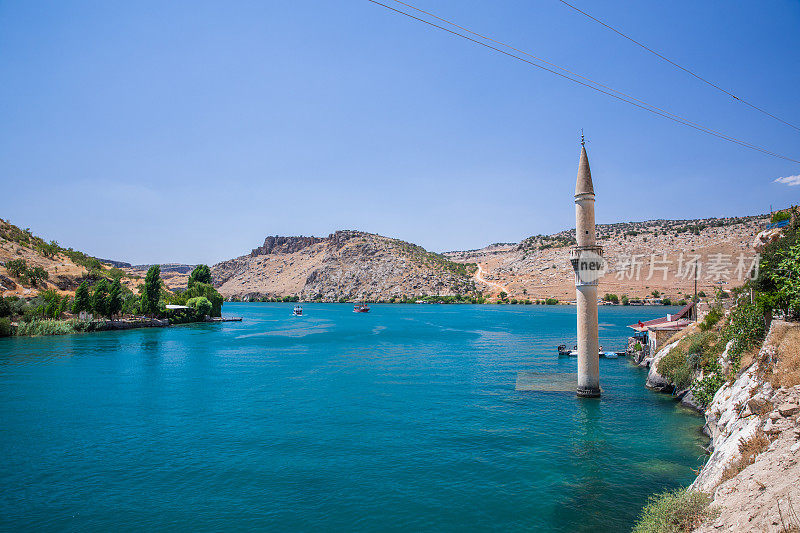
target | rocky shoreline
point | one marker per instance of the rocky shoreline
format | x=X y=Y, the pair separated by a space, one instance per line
x=752 y=471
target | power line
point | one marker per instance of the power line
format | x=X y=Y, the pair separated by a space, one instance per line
x=605 y=89
x=546 y=62
x=668 y=60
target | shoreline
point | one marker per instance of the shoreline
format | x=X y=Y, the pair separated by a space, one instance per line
x=74 y=326
x=753 y=451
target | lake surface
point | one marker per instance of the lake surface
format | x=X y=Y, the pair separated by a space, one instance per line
x=403 y=419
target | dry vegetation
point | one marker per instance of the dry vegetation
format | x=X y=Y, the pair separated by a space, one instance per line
x=748 y=451
x=786 y=371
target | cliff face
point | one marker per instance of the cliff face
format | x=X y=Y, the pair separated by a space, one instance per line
x=754 y=425
x=346 y=264
x=754 y=467
x=286 y=245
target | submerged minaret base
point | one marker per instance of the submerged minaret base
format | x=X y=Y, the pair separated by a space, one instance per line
x=587 y=262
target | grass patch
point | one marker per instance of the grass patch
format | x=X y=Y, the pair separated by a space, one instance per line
x=48 y=326
x=675 y=511
x=36 y=328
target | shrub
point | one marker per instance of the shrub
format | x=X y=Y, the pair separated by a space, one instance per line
x=675 y=366
x=711 y=319
x=36 y=275
x=551 y=301
x=201 y=304
x=6 y=329
x=745 y=327
x=704 y=389
x=624 y=300
x=5 y=307
x=17 y=267
x=780 y=216
x=787 y=277
x=675 y=511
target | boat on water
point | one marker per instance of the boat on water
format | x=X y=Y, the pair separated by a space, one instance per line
x=563 y=351
x=361 y=308
x=298 y=310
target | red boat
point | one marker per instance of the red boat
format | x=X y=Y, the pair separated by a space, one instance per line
x=361 y=308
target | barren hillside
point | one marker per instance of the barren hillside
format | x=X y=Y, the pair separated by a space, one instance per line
x=347 y=264
x=539 y=267
x=64 y=268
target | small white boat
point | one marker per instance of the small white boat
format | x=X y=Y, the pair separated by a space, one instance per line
x=298 y=310
x=562 y=350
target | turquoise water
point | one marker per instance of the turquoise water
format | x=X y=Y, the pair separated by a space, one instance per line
x=403 y=419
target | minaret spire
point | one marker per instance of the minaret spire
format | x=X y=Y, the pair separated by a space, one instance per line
x=587 y=261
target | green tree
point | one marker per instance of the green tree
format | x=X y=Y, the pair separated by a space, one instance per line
x=151 y=291
x=624 y=300
x=100 y=298
x=82 y=301
x=52 y=303
x=209 y=292
x=115 y=298
x=503 y=295
x=200 y=274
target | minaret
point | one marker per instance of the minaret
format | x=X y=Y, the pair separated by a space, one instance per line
x=587 y=261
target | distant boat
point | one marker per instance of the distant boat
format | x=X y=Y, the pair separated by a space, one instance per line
x=563 y=351
x=298 y=310
x=361 y=308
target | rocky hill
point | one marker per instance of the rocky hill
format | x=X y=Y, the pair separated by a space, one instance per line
x=538 y=267
x=350 y=265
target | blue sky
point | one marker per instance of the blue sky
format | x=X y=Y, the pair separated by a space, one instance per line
x=188 y=131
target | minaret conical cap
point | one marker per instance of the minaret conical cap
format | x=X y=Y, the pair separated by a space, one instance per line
x=583 y=185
